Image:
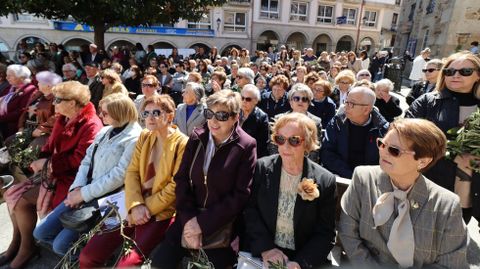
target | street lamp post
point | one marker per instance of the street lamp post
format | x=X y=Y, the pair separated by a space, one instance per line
x=360 y=20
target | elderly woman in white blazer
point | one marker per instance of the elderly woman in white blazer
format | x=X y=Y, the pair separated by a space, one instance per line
x=190 y=114
x=394 y=216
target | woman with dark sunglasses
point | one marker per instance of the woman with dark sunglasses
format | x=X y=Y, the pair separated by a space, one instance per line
x=149 y=188
x=291 y=213
x=448 y=106
x=213 y=186
x=393 y=215
x=431 y=72
x=300 y=98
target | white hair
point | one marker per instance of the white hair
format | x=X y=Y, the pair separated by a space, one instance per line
x=366 y=93
x=48 y=78
x=246 y=72
x=253 y=89
x=20 y=71
x=69 y=66
x=384 y=83
x=301 y=88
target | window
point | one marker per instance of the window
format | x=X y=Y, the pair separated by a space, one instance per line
x=412 y=12
x=298 y=11
x=235 y=22
x=203 y=23
x=431 y=6
x=269 y=9
x=425 y=38
x=397 y=2
x=26 y=17
x=394 y=18
x=370 y=18
x=351 y=15
x=325 y=14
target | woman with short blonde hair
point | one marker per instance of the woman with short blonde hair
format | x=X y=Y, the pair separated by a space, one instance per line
x=276 y=231
x=112 y=82
x=117 y=141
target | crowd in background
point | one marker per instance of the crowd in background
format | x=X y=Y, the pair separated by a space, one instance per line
x=282 y=126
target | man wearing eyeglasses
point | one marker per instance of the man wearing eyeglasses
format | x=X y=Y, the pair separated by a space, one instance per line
x=94 y=83
x=350 y=137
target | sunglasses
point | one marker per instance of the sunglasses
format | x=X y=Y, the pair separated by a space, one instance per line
x=297 y=99
x=155 y=113
x=58 y=100
x=219 y=115
x=430 y=70
x=294 y=141
x=394 y=151
x=466 y=72
x=147 y=85
x=240 y=77
x=247 y=99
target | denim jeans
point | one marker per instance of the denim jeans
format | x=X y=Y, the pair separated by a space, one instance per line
x=51 y=231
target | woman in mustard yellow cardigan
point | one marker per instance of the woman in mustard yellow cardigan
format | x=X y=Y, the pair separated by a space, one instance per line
x=149 y=187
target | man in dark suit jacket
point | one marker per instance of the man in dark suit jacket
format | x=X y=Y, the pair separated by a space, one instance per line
x=94 y=55
x=94 y=83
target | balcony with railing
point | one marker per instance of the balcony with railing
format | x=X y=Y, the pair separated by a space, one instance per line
x=239 y=2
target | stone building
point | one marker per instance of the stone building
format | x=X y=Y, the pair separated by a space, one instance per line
x=254 y=24
x=445 y=26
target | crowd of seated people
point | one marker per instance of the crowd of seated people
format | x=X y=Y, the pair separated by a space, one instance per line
x=239 y=153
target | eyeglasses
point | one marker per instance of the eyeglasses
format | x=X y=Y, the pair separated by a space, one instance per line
x=219 y=115
x=351 y=104
x=364 y=75
x=155 y=113
x=58 y=100
x=294 y=141
x=147 y=85
x=318 y=90
x=247 y=99
x=103 y=113
x=430 y=70
x=466 y=72
x=345 y=82
x=394 y=151
x=240 y=77
x=297 y=99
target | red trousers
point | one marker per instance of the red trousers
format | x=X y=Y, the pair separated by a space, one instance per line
x=101 y=247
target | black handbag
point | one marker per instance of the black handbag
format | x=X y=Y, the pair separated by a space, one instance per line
x=85 y=217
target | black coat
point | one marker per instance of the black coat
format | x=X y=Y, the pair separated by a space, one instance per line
x=390 y=109
x=271 y=107
x=314 y=221
x=418 y=89
x=441 y=108
x=256 y=125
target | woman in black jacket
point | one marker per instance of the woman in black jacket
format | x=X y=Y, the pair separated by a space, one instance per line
x=253 y=120
x=291 y=213
x=448 y=106
x=431 y=71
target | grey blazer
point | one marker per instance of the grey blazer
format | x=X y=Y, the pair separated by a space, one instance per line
x=196 y=119
x=440 y=235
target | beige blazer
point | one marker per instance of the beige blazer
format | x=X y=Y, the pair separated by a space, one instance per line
x=440 y=235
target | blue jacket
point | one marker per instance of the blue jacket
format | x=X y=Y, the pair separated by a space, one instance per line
x=110 y=162
x=334 y=151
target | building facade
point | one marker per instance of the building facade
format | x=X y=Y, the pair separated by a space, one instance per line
x=445 y=26
x=325 y=24
x=254 y=24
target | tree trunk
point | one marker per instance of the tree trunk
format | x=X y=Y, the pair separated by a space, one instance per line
x=99 y=35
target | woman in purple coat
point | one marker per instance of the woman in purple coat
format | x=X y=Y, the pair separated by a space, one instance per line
x=213 y=187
